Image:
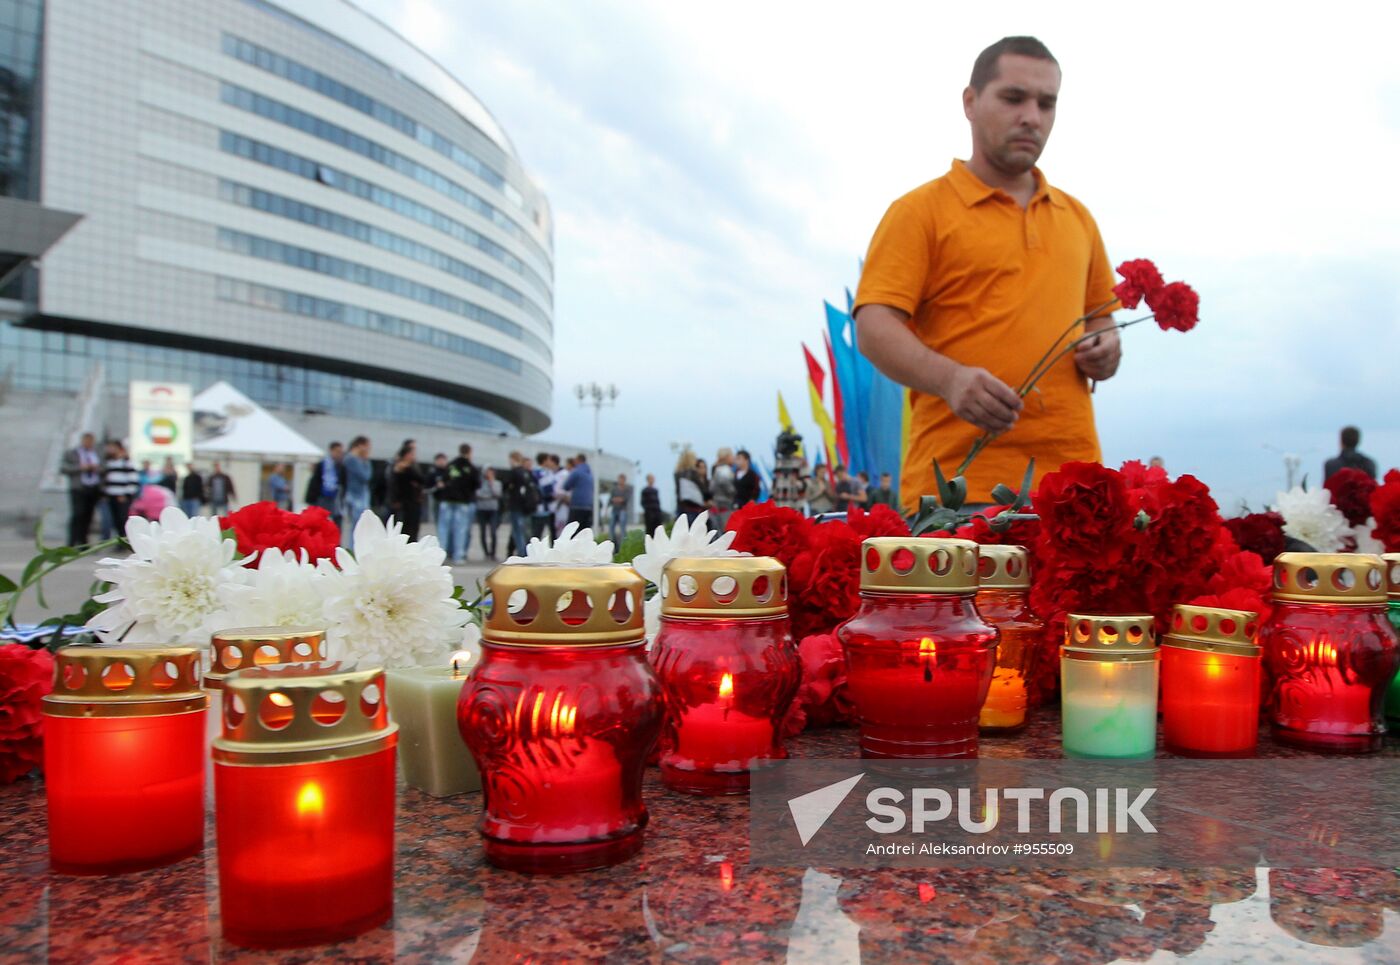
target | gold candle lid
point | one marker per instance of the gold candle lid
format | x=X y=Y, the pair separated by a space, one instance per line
x=724 y=586
x=552 y=605
x=1329 y=578
x=247 y=647
x=92 y=681
x=1119 y=637
x=303 y=712
x=1392 y=575
x=1003 y=567
x=1213 y=630
x=908 y=564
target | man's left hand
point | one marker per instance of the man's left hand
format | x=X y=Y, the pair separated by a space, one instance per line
x=1098 y=357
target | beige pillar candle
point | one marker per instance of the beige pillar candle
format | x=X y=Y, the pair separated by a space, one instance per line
x=423 y=702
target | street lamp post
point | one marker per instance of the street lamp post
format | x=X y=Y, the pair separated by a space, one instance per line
x=597 y=396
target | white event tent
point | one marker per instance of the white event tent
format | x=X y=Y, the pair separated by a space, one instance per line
x=232 y=429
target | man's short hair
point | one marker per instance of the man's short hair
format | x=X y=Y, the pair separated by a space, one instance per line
x=581 y=457
x=985 y=70
x=745 y=454
x=541 y=458
x=358 y=441
x=464 y=449
x=1351 y=437
x=336 y=445
x=441 y=455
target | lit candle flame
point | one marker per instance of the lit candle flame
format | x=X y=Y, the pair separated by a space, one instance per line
x=928 y=653
x=461 y=660
x=311 y=803
x=281 y=700
x=1213 y=668
x=726 y=687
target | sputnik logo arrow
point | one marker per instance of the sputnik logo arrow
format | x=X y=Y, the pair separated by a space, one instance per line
x=811 y=810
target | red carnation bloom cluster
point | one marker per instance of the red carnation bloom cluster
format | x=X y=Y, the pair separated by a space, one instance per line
x=264 y=526
x=25 y=677
x=823 y=564
x=1260 y=533
x=1385 y=507
x=1175 y=305
x=1132 y=541
x=1351 y=491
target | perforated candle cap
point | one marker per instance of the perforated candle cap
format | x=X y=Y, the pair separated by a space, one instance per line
x=550 y=605
x=731 y=587
x=298 y=713
x=1329 y=578
x=1392 y=575
x=248 y=647
x=906 y=564
x=95 y=681
x=1003 y=567
x=1213 y=630
x=1100 y=636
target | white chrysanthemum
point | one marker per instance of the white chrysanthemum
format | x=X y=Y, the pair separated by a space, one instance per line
x=391 y=603
x=1310 y=516
x=574 y=545
x=694 y=539
x=168 y=589
x=283 y=591
x=1365 y=542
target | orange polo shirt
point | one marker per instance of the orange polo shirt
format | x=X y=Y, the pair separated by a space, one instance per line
x=990 y=284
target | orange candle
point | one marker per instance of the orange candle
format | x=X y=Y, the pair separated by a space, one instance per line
x=1003 y=600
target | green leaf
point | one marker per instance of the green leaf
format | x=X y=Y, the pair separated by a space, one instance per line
x=957 y=486
x=1003 y=495
x=7 y=585
x=945 y=492
x=1023 y=498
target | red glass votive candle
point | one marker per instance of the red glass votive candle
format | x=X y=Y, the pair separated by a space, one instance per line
x=919 y=656
x=1329 y=651
x=304 y=805
x=1210 y=683
x=124 y=758
x=1003 y=600
x=560 y=715
x=728 y=670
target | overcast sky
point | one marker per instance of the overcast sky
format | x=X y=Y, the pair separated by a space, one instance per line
x=716 y=171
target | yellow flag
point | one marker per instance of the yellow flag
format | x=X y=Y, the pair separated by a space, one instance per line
x=785 y=420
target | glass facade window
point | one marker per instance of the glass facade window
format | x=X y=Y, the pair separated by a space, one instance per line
x=324 y=174
x=352 y=271
x=60 y=361
x=312 y=79
x=21 y=27
x=297 y=303
x=284 y=207
x=274 y=110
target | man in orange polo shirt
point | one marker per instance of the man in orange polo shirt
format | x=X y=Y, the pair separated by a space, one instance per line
x=972 y=276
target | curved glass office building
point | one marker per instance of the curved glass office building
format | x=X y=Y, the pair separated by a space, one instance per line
x=285 y=195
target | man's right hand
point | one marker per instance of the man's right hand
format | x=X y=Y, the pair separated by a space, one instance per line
x=977 y=396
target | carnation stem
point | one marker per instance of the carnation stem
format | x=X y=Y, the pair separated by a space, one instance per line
x=1086 y=317
x=1031 y=380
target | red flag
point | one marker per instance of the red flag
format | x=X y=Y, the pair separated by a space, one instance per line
x=837 y=408
x=815 y=378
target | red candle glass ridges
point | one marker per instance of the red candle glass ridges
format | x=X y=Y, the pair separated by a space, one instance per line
x=304 y=805
x=1329 y=651
x=1210 y=683
x=728 y=670
x=124 y=758
x=1003 y=600
x=919 y=657
x=560 y=715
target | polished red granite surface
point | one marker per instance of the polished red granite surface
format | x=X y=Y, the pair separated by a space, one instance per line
x=690 y=897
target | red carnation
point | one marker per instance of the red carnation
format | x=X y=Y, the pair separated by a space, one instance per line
x=1175 y=306
x=767 y=529
x=1351 y=491
x=1141 y=279
x=1260 y=533
x=25 y=677
x=1084 y=512
x=1021 y=532
x=821 y=697
x=264 y=526
x=879 y=521
x=1385 y=507
x=824 y=580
